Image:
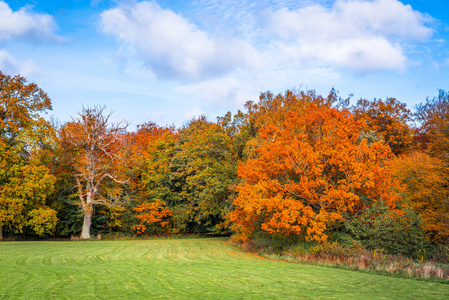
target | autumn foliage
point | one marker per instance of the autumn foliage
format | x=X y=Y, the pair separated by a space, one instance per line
x=25 y=182
x=310 y=175
x=389 y=121
x=154 y=214
x=293 y=167
x=426 y=191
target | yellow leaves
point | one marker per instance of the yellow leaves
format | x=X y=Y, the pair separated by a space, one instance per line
x=25 y=182
x=42 y=221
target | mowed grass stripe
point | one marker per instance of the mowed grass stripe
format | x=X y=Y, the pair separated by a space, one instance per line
x=181 y=269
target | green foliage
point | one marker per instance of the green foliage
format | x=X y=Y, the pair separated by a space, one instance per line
x=379 y=228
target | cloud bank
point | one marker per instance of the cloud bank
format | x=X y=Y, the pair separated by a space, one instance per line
x=174 y=48
x=363 y=36
x=25 y=23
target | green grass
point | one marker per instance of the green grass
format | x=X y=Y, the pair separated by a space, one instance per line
x=182 y=269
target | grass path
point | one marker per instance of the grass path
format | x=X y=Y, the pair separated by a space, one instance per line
x=182 y=269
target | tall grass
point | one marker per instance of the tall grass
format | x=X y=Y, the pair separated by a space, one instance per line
x=356 y=257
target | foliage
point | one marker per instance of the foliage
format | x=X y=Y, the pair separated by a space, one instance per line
x=426 y=191
x=389 y=119
x=379 y=228
x=309 y=176
x=43 y=221
x=153 y=214
x=208 y=158
x=194 y=172
x=92 y=152
x=25 y=182
x=434 y=131
x=142 y=147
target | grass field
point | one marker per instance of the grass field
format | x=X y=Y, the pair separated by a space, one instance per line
x=182 y=269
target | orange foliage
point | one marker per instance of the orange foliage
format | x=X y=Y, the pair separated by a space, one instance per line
x=433 y=134
x=309 y=175
x=93 y=152
x=154 y=213
x=141 y=145
x=426 y=192
x=388 y=119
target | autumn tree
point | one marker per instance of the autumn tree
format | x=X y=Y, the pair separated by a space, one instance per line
x=91 y=148
x=193 y=171
x=309 y=175
x=146 y=145
x=272 y=109
x=25 y=182
x=154 y=215
x=433 y=133
x=426 y=191
x=207 y=156
x=388 y=120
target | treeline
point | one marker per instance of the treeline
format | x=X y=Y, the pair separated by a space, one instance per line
x=292 y=167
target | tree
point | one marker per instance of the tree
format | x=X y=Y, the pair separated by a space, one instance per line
x=207 y=156
x=310 y=175
x=146 y=146
x=426 y=191
x=388 y=119
x=154 y=214
x=434 y=130
x=25 y=182
x=92 y=151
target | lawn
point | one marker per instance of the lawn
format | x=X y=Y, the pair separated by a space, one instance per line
x=182 y=269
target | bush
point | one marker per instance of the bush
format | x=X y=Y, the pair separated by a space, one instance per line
x=380 y=228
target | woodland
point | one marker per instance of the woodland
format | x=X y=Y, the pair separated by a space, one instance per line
x=291 y=168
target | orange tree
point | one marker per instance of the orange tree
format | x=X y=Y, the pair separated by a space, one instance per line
x=426 y=191
x=154 y=214
x=433 y=134
x=388 y=120
x=92 y=152
x=25 y=183
x=310 y=174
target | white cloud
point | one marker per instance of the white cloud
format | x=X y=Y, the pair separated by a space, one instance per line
x=9 y=65
x=218 y=91
x=173 y=47
x=360 y=35
x=26 y=23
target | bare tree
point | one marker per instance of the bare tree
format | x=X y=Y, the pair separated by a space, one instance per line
x=92 y=151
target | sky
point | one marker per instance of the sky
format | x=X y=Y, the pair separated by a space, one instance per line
x=169 y=61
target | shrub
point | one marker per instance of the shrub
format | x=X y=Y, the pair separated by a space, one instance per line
x=394 y=232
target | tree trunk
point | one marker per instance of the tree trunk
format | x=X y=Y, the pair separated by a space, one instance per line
x=1 y=232
x=85 y=234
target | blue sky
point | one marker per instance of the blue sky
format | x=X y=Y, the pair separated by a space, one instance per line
x=167 y=61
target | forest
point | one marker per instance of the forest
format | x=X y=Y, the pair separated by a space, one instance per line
x=291 y=168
